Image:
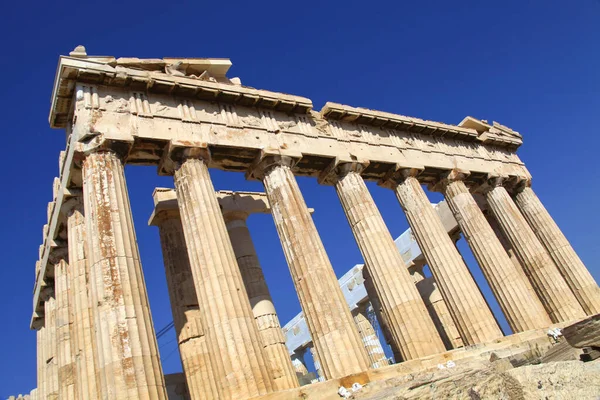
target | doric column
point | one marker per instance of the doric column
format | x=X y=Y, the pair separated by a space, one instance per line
x=191 y=337
x=84 y=338
x=508 y=283
x=369 y=338
x=383 y=324
x=67 y=388
x=128 y=359
x=236 y=354
x=265 y=315
x=41 y=361
x=317 y=364
x=569 y=264
x=334 y=334
x=409 y=323
x=558 y=300
x=437 y=308
x=51 y=381
x=469 y=310
x=298 y=363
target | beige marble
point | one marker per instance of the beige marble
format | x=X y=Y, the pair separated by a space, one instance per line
x=376 y=304
x=408 y=321
x=51 y=379
x=554 y=293
x=41 y=361
x=273 y=341
x=67 y=383
x=369 y=337
x=317 y=364
x=508 y=283
x=468 y=308
x=299 y=364
x=236 y=351
x=191 y=335
x=569 y=264
x=128 y=360
x=334 y=334
x=437 y=308
x=84 y=338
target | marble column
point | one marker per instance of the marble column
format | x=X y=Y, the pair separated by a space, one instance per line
x=569 y=264
x=334 y=334
x=41 y=361
x=51 y=379
x=191 y=336
x=299 y=364
x=84 y=338
x=409 y=323
x=376 y=304
x=508 y=283
x=236 y=352
x=271 y=335
x=369 y=337
x=468 y=308
x=67 y=388
x=317 y=364
x=128 y=359
x=437 y=308
x=554 y=293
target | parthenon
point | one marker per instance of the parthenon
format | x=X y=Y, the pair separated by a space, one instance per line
x=95 y=335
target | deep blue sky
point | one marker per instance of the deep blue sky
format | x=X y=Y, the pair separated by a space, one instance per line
x=530 y=65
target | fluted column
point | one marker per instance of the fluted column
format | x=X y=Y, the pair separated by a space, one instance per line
x=569 y=264
x=299 y=364
x=554 y=293
x=84 y=338
x=469 y=310
x=508 y=283
x=335 y=337
x=409 y=323
x=67 y=388
x=51 y=381
x=128 y=359
x=369 y=338
x=236 y=354
x=41 y=364
x=317 y=364
x=437 y=308
x=191 y=335
x=271 y=335
x=376 y=304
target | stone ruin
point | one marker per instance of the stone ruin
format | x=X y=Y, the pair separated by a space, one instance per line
x=95 y=337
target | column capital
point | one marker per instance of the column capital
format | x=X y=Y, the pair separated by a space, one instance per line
x=516 y=185
x=447 y=177
x=178 y=151
x=339 y=168
x=489 y=183
x=58 y=253
x=239 y=217
x=266 y=161
x=102 y=144
x=165 y=206
x=394 y=178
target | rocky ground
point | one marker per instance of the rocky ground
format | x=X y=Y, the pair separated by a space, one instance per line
x=557 y=374
x=496 y=380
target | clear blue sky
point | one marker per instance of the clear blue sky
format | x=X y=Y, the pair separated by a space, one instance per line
x=530 y=65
